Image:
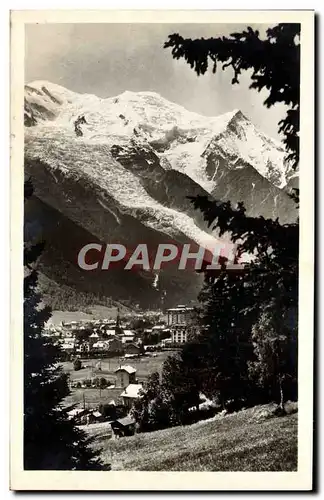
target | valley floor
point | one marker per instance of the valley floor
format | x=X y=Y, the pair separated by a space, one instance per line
x=93 y=397
x=245 y=441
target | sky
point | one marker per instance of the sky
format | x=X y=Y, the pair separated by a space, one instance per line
x=107 y=59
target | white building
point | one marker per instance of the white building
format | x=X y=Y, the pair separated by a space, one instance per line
x=127 y=336
x=178 y=321
x=130 y=394
x=125 y=376
x=179 y=336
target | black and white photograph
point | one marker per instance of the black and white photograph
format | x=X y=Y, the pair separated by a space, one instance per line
x=166 y=316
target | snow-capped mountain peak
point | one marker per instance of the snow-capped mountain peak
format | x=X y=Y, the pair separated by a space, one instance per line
x=120 y=169
x=183 y=138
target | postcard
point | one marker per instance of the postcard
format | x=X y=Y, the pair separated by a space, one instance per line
x=162 y=264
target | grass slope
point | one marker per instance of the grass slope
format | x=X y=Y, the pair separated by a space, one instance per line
x=239 y=442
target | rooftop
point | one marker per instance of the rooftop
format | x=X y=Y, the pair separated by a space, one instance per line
x=127 y=368
x=132 y=391
x=109 y=331
x=181 y=308
x=128 y=333
x=126 y=421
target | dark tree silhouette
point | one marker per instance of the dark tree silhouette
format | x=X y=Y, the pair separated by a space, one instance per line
x=275 y=65
x=51 y=440
x=271 y=278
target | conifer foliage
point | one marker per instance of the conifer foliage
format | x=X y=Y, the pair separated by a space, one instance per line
x=247 y=347
x=274 y=61
x=275 y=365
x=51 y=440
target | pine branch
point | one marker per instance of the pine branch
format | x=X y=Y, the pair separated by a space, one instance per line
x=275 y=65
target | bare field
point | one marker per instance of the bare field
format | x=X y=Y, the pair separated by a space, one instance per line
x=144 y=366
x=93 y=397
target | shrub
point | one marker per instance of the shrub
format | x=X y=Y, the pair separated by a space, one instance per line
x=291 y=407
x=77 y=365
x=156 y=408
x=95 y=382
x=103 y=382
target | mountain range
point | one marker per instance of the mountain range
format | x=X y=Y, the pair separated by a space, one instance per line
x=125 y=179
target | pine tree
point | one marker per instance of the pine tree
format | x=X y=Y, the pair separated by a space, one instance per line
x=233 y=304
x=275 y=366
x=179 y=378
x=272 y=276
x=155 y=409
x=222 y=349
x=51 y=440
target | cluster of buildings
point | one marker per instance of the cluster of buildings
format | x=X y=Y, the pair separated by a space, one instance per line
x=96 y=336
x=127 y=390
x=116 y=337
x=118 y=411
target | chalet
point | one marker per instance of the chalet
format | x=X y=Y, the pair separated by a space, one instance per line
x=94 y=417
x=130 y=394
x=123 y=427
x=125 y=375
x=77 y=413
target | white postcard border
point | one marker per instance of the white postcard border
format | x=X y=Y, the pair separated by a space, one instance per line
x=166 y=481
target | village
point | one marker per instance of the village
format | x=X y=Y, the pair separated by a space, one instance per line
x=108 y=361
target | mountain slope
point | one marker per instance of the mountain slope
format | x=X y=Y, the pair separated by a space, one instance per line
x=237 y=442
x=127 y=177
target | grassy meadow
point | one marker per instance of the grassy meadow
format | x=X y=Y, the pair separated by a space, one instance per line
x=245 y=441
